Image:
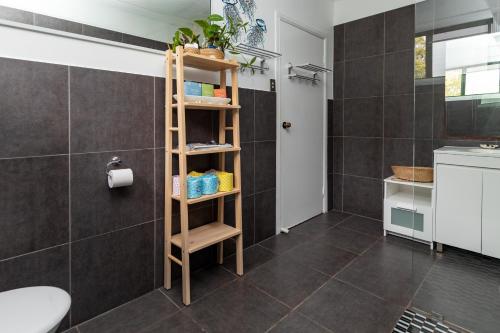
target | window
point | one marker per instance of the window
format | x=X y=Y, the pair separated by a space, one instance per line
x=420 y=57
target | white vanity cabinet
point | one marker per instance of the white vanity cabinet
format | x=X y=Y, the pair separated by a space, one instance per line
x=491 y=213
x=458 y=206
x=467 y=199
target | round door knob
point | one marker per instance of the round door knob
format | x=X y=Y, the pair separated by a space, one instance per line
x=286 y=124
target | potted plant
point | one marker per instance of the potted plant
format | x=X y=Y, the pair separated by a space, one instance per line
x=187 y=38
x=219 y=38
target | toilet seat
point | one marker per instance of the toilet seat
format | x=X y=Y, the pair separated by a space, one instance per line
x=32 y=309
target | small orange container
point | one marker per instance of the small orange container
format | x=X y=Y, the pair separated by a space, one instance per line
x=220 y=93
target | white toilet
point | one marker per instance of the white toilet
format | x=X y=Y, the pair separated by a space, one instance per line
x=33 y=309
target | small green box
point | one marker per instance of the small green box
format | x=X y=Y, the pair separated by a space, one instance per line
x=207 y=89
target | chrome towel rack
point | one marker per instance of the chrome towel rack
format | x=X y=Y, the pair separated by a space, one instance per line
x=314 y=69
x=262 y=54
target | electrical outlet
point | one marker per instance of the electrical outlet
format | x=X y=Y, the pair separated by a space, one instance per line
x=272 y=84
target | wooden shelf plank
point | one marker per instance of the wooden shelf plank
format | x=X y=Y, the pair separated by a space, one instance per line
x=206 y=235
x=208 y=106
x=208 y=64
x=208 y=197
x=208 y=151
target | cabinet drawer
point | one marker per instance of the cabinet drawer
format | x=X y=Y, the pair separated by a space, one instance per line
x=407 y=219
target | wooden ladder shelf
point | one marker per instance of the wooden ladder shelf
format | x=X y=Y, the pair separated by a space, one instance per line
x=196 y=239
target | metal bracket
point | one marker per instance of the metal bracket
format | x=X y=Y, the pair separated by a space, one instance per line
x=115 y=160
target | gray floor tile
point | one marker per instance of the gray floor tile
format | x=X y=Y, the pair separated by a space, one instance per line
x=465 y=289
x=349 y=240
x=389 y=271
x=179 y=322
x=343 y=308
x=286 y=279
x=133 y=316
x=297 y=323
x=252 y=257
x=284 y=242
x=311 y=228
x=367 y=226
x=332 y=217
x=237 y=307
x=203 y=282
x=322 y=255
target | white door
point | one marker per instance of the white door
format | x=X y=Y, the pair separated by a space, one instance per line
x=458 y=206
x=302 y=105
x=491 y=213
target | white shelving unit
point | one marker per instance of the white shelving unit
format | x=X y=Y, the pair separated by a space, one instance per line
x=408 y=209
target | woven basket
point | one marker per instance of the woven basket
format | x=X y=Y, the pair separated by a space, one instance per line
x=414 y=174
x=212 y=53
x=191 y=50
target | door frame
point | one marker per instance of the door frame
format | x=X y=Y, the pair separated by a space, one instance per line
x=278 y=18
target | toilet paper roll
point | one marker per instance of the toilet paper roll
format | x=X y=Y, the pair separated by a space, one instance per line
x=120 y=178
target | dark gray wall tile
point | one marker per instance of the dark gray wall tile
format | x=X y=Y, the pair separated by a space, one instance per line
x=363 y=117
x=58 y=24
x=338 y=80
x=138 y=41
x=338 y=181
x=400 y=29
x=459 y=118
x=248 y=219
x=330 y=155
x=398 y=116
x=339 y=43
x=330 y=117
x=265 y=165
x=160 y=252
x=265 y=115
x=423 y=115
x=34 y=104
x=247 y=115
x=111 y=269
x=95 y=208
x=33 y=204
x=96 y=32
x=330 y=191
x=424 y=155
x=107 y=108
x=338 y=155
x=363 y=157
x=397 y=152
x=43 y=268
x=363 y=196
x=364 y=37
x=338 y=118
x=16 y=15
x=159 y=97
x=265 y=215
x=364 y=77
x=399 y=73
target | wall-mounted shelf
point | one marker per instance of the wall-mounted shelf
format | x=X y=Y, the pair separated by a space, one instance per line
x=262 y=54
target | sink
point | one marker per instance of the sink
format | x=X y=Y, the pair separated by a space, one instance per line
x=469 y=151
x=483 y=150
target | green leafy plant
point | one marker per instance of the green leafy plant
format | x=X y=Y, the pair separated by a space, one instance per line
x=248 y=64
x=220 y=36
x=182 y=37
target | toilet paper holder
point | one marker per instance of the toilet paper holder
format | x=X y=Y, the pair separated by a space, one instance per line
x=115 y=160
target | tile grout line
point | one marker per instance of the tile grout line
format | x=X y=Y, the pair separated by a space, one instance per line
x=69 y=193
x=154 y=183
